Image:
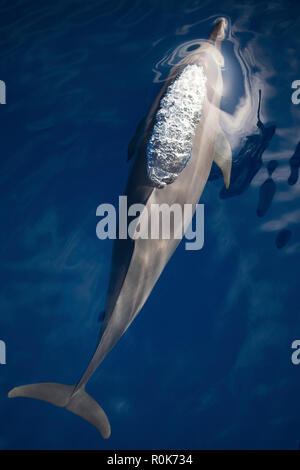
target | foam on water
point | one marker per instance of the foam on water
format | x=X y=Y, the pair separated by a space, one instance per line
x=170 y=146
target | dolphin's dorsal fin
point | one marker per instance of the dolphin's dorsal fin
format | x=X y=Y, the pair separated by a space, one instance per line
x=223 y=156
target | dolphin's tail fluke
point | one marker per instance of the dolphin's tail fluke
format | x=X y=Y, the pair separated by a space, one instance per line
x=78 y=402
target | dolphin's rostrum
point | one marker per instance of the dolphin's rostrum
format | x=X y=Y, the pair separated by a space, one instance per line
x=137 y=264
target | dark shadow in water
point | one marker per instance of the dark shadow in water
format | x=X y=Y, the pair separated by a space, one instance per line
x=294 y=165
x=271 y=167
x=101 y=316
x=248 y=163
x=282 y=238
x=267 y=191
x=134 y=141
x=249 y=159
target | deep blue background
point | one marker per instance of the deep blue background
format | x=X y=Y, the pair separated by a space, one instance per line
x=207 y=364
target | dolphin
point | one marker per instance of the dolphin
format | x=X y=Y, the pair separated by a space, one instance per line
x=138 y=263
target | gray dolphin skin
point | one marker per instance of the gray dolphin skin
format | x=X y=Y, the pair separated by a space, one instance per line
x=138 y=263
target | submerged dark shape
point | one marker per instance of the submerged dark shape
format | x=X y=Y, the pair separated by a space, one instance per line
x=267 y=191
x=266 y=194
x=249 y=160
x=135 y=139
x=283 y=237
x=271 y=167
x=101 y=316
x=294 y=165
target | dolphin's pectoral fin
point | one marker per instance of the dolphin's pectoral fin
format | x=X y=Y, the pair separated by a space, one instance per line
x=223 y=156
x=134 y=141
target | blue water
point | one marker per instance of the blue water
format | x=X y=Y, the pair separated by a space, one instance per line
x=207 y=363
